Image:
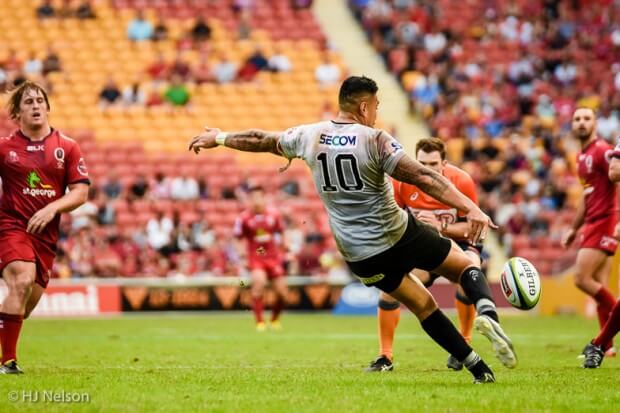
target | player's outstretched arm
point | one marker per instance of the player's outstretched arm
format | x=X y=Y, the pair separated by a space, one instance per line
x=614 y=169
x=412 y=172
x=252 y=140
x=77 y=195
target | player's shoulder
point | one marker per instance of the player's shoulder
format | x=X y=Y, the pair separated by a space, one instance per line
x=65 y=139
x=454 y=172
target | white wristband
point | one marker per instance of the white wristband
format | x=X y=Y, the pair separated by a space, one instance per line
x=220 y=138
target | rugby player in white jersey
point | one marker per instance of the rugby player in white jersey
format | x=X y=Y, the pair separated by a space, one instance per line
x=380 y=242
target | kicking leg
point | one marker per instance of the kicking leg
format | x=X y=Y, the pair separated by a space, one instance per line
x=417 y=298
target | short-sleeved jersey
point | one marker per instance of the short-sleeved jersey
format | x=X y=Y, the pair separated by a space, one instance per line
x=599 y=191
x=415 y=200
x=34 y=174
x=348 y=163
x=261 y=231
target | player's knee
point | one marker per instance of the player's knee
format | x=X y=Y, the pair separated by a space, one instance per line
x=21 y=283
x=426 y=308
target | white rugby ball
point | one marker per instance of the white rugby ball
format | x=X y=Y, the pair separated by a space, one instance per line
x=521 y=283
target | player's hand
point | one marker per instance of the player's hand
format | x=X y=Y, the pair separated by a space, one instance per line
x=569 y=237
x=617 y=231
x=429 y=218
x=40 y=219
x=479 y=224
x=205 y=140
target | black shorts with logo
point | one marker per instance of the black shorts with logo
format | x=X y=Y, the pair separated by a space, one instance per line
x=421 y=246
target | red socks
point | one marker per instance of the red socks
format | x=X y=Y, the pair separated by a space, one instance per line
x=611 y=328
x=257 y=307
x=10 y=326
x=278 y=306
x=605 y=302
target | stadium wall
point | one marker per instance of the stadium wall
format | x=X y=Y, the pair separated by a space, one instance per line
x=96 y=296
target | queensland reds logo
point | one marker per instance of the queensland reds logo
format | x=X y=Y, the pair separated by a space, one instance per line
x=59 y=155
x=12 y=157
x=81 y=167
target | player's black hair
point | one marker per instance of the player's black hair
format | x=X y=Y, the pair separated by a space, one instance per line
x=353 y=88
x=18 y=93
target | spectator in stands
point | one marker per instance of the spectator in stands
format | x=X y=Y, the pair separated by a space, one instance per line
x=66 y=11
x=139 y=187
x=160 y=31
x=225 y=71
x=328 y=73
x=244 y=28
x=85 y=10
x=202 y=234
x=180 y=67
x=81 y=252
x=158 y=231
x=113 y=187
x=202 y=72
x=51 y=62
x=279 y=62
x=154 y=97
x=133 y=95
x=107 y=262
x=46 y=10
x=184 y=188
x=110 y=94
x=253 y=64
x=139 y=28
x=177 y=93
x=290 y=187
x=201 y=30
x=161 y=187
x=33 y=66
x=12 y=63
x=158 y=70
x=608 y=124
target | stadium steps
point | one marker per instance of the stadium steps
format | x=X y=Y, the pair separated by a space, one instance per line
x=341 y=28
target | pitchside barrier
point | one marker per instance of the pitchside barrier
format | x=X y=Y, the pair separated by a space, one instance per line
x=100 y=296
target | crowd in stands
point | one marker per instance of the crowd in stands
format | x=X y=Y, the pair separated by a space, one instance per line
x=179 y=238
x=499 y=80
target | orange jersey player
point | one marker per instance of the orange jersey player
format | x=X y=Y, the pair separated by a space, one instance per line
x=450 y=223
x=263 y=227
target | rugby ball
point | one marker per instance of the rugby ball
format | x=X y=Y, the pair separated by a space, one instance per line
x=521 y=283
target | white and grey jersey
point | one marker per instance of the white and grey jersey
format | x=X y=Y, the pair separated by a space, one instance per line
x=348 y=163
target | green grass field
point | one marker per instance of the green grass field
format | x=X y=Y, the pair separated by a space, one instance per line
x=216 y=362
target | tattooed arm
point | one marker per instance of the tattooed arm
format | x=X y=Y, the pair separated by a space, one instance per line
x=412 y=172
x=252 y=140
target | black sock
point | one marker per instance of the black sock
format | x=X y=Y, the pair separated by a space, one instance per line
x=477 y=289
x=441 y=329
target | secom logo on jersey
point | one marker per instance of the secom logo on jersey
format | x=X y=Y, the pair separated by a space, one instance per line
x=337 y=140
x=36 y=188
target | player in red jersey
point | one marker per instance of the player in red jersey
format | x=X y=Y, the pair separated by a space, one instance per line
x=595 y=350
x=262 y=227
x=37 y=165
x=596 y=215
x=449 y=222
